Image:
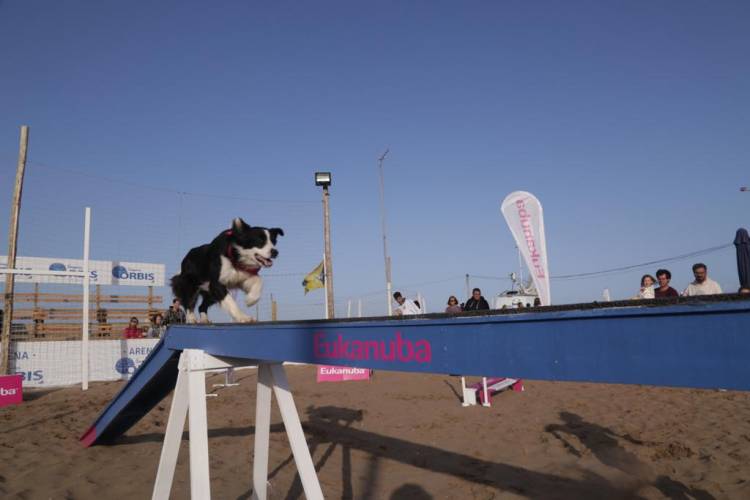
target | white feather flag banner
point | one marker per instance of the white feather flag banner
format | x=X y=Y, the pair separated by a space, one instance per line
x=523 y=213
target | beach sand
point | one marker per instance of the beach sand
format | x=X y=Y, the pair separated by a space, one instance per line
x=403 y=436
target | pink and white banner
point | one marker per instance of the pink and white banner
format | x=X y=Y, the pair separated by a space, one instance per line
x=328 y=373
x=11 y=392
x=524 y=216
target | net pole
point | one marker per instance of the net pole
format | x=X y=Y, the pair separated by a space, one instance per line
x=85 y=333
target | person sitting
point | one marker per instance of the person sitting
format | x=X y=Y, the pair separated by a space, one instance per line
x=157 y=328
x=537 y=302
x=453 y=307
x=132 y=331
x=663 y=276
x=647 y=287
x=405 y=307
x=744 y=290
x=476 y=302
x=703 y=285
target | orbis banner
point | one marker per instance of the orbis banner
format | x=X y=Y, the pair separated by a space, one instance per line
x=523 y=213
x=101 y=272
x=137 y=274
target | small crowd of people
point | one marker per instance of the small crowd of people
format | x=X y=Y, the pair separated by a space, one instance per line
x=475 y=303
x=158 y=324
x=651 y=288
x=701 y=285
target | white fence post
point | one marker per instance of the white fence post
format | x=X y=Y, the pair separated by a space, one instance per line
x=85 y=333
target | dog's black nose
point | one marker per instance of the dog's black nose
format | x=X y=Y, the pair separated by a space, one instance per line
x=274 y=253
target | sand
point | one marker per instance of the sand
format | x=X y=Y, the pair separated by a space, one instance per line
x=403 y=436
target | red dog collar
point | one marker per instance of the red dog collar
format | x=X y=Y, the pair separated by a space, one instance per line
x=236 y=263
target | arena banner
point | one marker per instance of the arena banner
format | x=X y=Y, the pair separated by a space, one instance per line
x=523 y=213
x=58 y=363
x=137 y=274
x=342 y=373
x=99 y=270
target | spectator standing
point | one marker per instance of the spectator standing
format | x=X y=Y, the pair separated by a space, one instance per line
x=405 y=307
x=453 y=307
x=703 y=285
x=663 y=277
x=647 y=287
x=476 y=302
x=132 y=331
x=157 y=328
x=175 y=314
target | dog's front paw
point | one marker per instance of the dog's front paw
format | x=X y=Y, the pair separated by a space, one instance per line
x=247 y=319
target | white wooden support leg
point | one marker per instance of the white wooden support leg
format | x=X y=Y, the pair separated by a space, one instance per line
x=262 y=432
x=190 y=398
x=172 y=437
x=296 y=437
x=200 y=485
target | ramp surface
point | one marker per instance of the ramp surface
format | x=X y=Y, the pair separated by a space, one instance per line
x=703 y=343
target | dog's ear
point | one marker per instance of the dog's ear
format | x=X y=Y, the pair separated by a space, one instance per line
x=276 y=231
x=239 y=225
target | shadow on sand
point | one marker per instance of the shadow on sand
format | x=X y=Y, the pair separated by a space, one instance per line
x=604 y=444
x=329 y=427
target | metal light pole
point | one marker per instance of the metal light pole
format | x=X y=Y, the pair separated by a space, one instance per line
x=388 y=286
x=323 y=179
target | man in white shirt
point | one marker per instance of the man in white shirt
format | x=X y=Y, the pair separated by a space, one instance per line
x=405 y=306
x=703 y=285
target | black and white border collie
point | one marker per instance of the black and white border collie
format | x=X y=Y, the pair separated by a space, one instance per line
x=232 y=260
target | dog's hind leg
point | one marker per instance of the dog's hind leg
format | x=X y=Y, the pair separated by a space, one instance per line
x=185 y=288
x=190 y=308
x=220 y=294
x=206 y=302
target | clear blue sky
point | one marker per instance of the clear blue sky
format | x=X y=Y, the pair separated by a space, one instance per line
x=628 y=120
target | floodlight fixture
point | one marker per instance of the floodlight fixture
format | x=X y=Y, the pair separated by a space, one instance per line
x=323 y=179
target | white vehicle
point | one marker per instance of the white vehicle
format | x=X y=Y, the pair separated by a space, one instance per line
x=518 y=294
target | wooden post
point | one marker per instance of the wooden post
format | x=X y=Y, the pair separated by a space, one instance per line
x=35 y=328
x=15 y=210
x=150 y=301
x=274 y=310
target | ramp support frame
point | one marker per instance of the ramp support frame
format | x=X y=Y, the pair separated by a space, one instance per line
x=189 y=400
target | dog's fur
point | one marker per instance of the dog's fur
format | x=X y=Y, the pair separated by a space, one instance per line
x=232 y=260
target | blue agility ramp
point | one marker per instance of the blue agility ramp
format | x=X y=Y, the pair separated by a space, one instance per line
x=702 y=343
